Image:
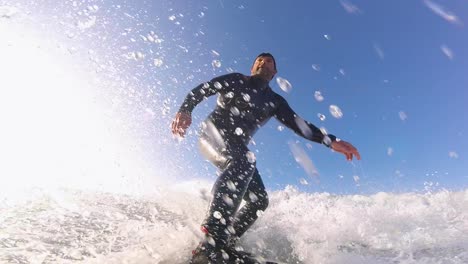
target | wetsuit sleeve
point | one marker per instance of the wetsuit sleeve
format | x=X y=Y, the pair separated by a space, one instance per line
x=303 y=128
x=205 y=90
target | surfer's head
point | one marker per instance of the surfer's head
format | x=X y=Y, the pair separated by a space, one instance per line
x=264 y=66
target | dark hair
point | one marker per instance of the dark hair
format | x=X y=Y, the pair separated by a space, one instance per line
x=266 y=54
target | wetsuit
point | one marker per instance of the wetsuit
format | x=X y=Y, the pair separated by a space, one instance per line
x=245 y=103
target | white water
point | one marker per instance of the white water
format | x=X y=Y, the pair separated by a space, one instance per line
x=68 y=226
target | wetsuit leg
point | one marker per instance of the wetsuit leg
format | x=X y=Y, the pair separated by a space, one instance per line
x=256 y=200
x=229 y=189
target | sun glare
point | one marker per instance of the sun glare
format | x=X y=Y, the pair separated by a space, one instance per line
x=54 y=133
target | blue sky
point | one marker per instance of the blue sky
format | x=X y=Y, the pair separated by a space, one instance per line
x=396 y=69
x=403 y=85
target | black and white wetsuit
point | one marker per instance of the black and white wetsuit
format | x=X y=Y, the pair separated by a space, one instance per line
x=245 y=103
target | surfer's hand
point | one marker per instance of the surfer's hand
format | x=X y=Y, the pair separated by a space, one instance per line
x=346 y=148
x=180 y=124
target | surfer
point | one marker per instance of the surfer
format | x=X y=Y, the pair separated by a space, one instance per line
x=244 y=104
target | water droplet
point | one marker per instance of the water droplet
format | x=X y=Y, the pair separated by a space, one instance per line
x=335 y=111
x=379 y=51
x=246 y=97
x=72 y=50
x=172 y=18
x=90 y=22
x=448 y=52
x=93 y=8
x=453 y=155
x=231 y=185
x=158 y=62
x=218 y=85
x=139 y=55
x=303 y=181
x=318 y=96
x=389 y=151
x=284 y=84
x=235 y=111
x=253 y=197
x=322 y=117
x=327 y=36
x=216 y=63
x=349 y=7
x=228 y=200
x=301 y=157
x=211 y=241
x=238 y=131
x=217 y=215
x=7 y=11
x=442 y=12
x=280 y=128
x=402 y=115
x=316 y=67
x=251 y=157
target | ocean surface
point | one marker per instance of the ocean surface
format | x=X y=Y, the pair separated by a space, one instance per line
x=73 y=226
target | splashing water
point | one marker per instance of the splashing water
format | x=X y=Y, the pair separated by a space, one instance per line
x=8 y=11
x=349 y=7
x=238 y=131
x=402 y=115
x=440 y=11
x=453 y=155
x=379 y=51
x=284 y=84
x=75 y=227
x=335 y=111
x=318 y=96
x=158 y=62
x=322 y=117
x=303 y=159
x=216 y=63
x=389 y=151
x=447 y=51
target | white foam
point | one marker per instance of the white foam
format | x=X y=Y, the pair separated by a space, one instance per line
x=72 y=226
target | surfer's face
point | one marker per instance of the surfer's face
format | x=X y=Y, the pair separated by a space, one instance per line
x=264 y=66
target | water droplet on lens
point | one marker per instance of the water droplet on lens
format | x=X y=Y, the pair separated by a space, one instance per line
x=216 y=63
x=318 y=96
x=322 y=117
x=235 y=111
x=218 y=85
x=238 y=131
x=217 y=215
x=284 y=84
x=335 y=111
